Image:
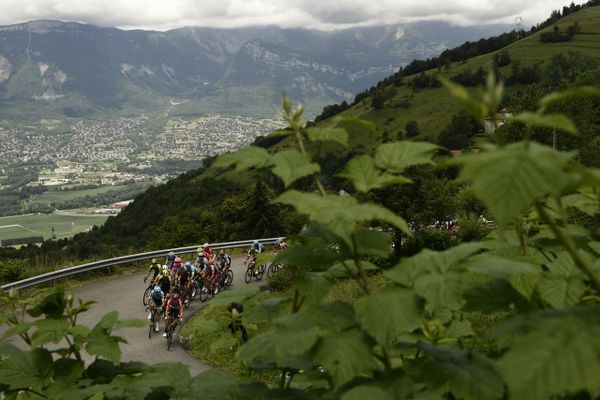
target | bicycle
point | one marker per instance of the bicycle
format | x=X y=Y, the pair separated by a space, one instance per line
x=273 y=269
x=147 y=292
x=170 y=332
x=227 y=278
x=154 y=318
x=208 y=290
x=252 y=273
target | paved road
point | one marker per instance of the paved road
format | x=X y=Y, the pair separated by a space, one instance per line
x=124 y=294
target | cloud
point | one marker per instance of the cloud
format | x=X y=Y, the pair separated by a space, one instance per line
x=320 y=14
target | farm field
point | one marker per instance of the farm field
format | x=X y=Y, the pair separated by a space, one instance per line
x=60 y=196
x=41 y=224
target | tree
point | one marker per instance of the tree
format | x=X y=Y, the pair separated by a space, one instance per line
x=412 y=129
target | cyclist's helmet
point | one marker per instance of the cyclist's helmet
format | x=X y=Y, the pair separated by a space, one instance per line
x=153 y=261
x=255 y=242
x=187 y=263
x=177 y=260
x=157 y=289
x=171 y=254
x=277 y=242
x=200 y=249
x=205 y=245
x=221 y=252
x=165 y=269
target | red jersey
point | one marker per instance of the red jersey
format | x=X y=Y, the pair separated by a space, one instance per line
x=176 y=304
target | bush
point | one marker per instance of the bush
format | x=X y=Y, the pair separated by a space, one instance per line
x=471 y=230
x=12 y=270
x=283 y=279
x=430 y=239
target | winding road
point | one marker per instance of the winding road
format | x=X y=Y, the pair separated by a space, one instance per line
x=124 y=294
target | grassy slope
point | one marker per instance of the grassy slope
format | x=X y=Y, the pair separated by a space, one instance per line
x=433 y=108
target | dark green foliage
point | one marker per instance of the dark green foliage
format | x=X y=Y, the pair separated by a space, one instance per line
x=527 y=74
x=502 y=58
x=471 y=78
x=556 y=35
x=12 y=270
x=459 y=133
x=411 y=129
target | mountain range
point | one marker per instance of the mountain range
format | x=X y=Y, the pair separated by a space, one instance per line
x=57 y=69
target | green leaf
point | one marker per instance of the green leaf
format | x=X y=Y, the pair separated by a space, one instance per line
x=313 y=286
x=344 y=355
x=17 y=330
x=284 y=347
x=365 y=177
x=130 y=323
x=348 y=269
x=508 y=180
x=555 y=97
x=239 y=295
x=291 y=165
x=49 y=330
x=465 y=374
x=476 y=108
x=587 y=203
x=386 y=314
x=245 y=158
x=68 y=370
x=556 y=121
x=366 y=392
x=53 y=305
x=331 y=317
x=539 y=364
x=438 y=277
x=563 y=286
x=459 y=329
x=339 y=135
x=107 y=322
x=372 y=242
x=397 y=157
x=340 y=213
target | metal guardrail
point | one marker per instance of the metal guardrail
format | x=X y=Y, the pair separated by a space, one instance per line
x=66 y=272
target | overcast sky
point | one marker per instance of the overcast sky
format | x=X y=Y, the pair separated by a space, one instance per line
x=320 y=14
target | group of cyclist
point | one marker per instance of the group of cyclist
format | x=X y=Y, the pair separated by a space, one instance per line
x=171 y=280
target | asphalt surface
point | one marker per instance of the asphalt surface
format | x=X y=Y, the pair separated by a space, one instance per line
x=124 y=294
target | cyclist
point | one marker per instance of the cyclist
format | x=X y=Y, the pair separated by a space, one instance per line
x=224 y=261
x=177 y=264
x=170 y=259
x=211 y=274
x=155 y=303
x=164 y=280
x=255 y=249
x=183 y=277
x=174 y=311
x=208 y=253
x=154 y=268
x=280 y=245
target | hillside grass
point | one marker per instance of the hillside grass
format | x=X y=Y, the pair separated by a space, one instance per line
x=434 y=108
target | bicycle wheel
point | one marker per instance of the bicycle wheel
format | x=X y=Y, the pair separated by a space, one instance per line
x=271 y=270
x=261 y=271
x=146 y=295
x=228 y=278
x=170 y=330
x=248 y=275
x=204 y=293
